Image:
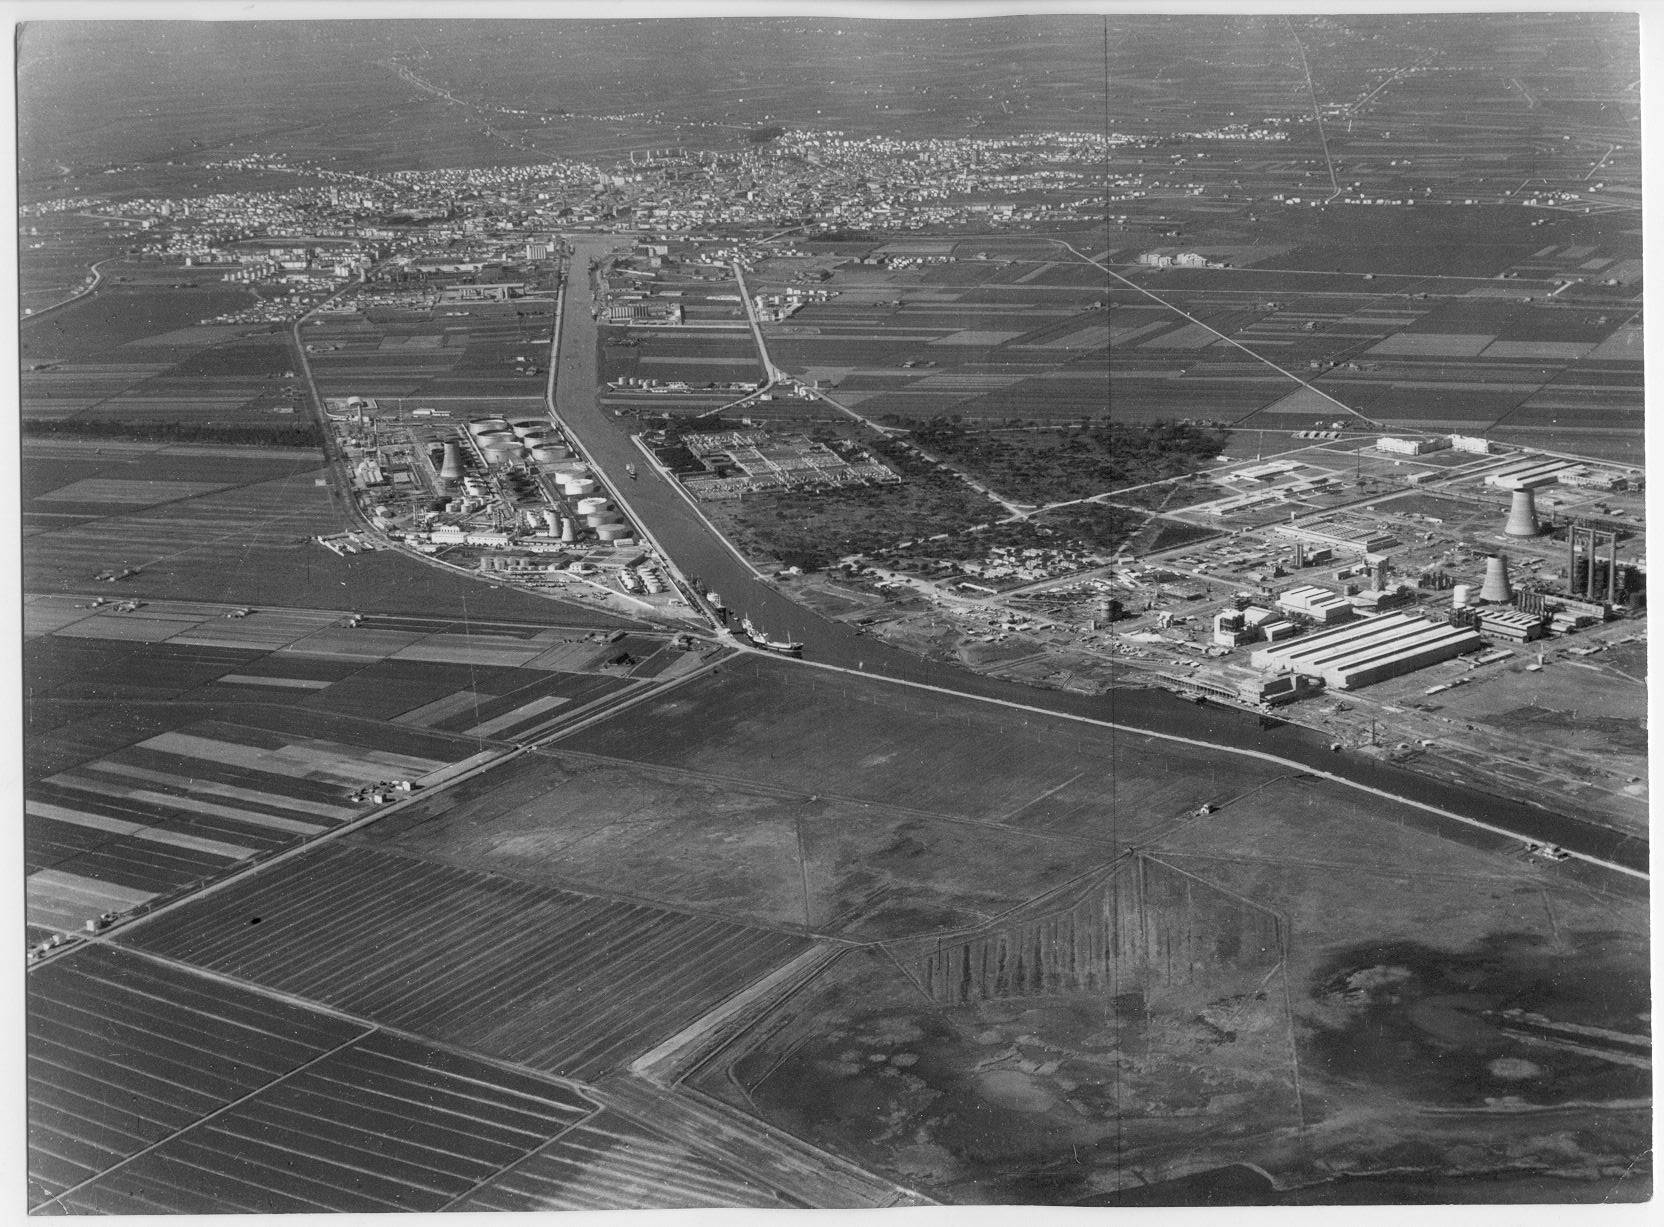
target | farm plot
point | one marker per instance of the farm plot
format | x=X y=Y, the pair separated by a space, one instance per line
x=123 y=315
x=611 y=1163
x=260 y=1106
x=174 y=808
x=63 y=389
x=382 y=1124
x=124 y=1052
x=561 y=982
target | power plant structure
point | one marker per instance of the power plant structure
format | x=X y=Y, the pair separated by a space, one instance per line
x=1591 y=539
x=1522 y=515
x=1496 y=590
x=451 y=470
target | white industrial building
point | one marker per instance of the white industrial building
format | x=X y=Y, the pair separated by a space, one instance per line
x=1368 y=651
x=1318 y=604
x=1410 y=447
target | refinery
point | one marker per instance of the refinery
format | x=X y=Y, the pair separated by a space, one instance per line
x=508 y=497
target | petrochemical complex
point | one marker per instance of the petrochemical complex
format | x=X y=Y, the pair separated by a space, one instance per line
x=510 y=498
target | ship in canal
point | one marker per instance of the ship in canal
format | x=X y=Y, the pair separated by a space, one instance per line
x=786 y=647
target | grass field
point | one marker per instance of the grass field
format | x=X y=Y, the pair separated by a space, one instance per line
x=769 y=723
x=742 y=851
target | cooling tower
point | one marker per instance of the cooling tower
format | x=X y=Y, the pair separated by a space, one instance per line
x=1522 y=515
x=568 y=532
x=1495 y=590
x=451 y=470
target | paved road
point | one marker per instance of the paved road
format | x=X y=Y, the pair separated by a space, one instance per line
x=699 y=551
x=86 y=288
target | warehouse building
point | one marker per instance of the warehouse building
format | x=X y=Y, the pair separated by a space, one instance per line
x=1353 y=533
x=1368 y=651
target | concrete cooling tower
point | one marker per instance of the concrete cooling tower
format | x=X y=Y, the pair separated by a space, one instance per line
x=450 y=471
x=1495 y=589
x=1522 y=515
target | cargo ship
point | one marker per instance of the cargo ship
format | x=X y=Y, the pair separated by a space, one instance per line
x=785 y=647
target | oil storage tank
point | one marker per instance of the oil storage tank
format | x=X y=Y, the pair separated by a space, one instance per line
x=613 y=532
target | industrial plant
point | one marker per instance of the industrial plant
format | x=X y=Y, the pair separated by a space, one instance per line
x=508 y=497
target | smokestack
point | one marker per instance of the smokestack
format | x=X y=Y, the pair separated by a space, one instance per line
x=450 y=471
x=1495 y=590
x=1522 y=515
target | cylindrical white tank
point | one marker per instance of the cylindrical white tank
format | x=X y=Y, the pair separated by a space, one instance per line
x=1461 y=596
x=577 y=485
x=587 y=506
x=480 y=426
x=574 y=469
x=612 y=532
x=597 y=518
x=549 y=455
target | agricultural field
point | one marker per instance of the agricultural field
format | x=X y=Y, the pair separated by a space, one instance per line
x=612 y=1163
x=232 y=1100
x=560 y=982
x=1480 y=348
x=170 y=745
x=448 y=356
x=692 y=355
x=132 y=803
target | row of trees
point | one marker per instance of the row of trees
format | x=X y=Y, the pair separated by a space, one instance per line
x=252 y=434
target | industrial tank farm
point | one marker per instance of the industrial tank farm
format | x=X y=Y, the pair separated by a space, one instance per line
x=503 y=496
